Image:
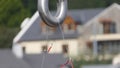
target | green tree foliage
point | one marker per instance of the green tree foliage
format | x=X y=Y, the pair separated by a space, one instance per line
x=82 y=4
x=12 y=12
x=53 y=4
x=31 y=5
x=6 y=36
x=80 y=63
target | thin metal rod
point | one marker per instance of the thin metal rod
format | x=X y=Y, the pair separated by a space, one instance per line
x=63 y=37
x=43 y=60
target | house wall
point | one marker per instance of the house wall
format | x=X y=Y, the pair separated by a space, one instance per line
x=95 y=28
x=34 y=47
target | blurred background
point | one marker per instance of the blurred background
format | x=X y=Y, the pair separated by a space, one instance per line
x=13 y=12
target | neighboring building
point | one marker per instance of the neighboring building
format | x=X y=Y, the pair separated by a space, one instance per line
x=85 y=32
x=104 y=31
x=44 y=60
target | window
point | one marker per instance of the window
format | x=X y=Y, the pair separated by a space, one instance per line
x=65 y=27
x=103 y=47
x=44 y=48
x=69 y=25
x=24 y=49
x=43 y=27
x=65 y=49
x=46 y=29
x=69 y=28
x=51 y=30
x=109 y=27
x=109 y=47
x=113 y=27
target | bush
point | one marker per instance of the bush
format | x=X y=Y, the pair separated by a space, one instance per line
x=79 y=63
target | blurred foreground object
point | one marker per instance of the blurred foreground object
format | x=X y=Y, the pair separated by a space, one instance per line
x=47 y=16
x=116 y=61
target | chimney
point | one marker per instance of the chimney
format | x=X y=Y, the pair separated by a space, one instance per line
x=26 y=20
x=17 y=50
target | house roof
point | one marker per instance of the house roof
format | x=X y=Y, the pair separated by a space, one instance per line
x=32 y=30
x=46 y=60
x=84 y=15
x=103 y=14
x=9 y=60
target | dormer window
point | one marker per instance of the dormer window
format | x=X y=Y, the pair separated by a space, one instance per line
x=69 y=25
x=45 y=29
x=108 y=26
x=113 y=27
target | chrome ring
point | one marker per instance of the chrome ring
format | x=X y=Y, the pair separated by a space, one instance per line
x=47 y=17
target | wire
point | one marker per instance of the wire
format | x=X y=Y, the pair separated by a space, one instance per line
x=71 y=63
x=43 y=59
x=63 y=37
x=48 y=50
x=68 y=61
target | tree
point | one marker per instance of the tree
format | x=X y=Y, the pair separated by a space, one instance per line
x=12 y=12
x=6 y=36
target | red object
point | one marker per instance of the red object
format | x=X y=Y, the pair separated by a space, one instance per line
x=71 y=64
x=68 y=62
x=62 y=66
x=49 y=48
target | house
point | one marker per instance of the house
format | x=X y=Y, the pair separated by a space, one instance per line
x=44 y=60
x=33 y=36
x=87 y=31
x=104 y=31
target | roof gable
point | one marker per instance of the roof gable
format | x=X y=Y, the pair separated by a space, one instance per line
x=21 y=34
x=107 y=13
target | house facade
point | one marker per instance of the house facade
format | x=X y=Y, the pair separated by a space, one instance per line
x=103 y=31
x=88 y=31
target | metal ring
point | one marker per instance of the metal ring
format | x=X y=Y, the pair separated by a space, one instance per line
x=47 y=17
